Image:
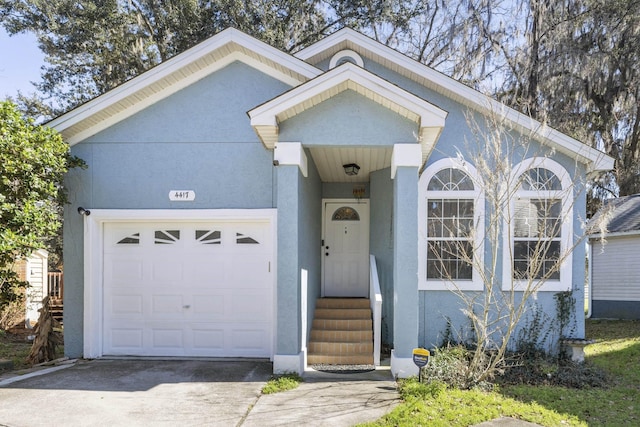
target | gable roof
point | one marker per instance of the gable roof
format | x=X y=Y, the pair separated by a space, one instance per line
x=232 y=45
x=429 y=118
x=622 y=216
x=176 y=73
x=347 y=38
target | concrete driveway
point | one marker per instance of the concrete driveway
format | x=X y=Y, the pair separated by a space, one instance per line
x=190 y=393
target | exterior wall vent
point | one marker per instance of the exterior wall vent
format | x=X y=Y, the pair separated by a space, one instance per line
x=346 y=55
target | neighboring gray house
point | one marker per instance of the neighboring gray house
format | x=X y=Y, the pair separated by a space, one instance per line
x=34 y=271
x=614 y=267
x=239 y=199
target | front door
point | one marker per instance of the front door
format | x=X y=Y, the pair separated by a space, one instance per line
x=346 y=249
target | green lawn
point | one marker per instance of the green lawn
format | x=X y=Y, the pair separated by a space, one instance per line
x=15 y=349
x=617 y=351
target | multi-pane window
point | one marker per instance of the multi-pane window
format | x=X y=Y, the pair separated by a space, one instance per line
x=450 y=226
x=537 y=226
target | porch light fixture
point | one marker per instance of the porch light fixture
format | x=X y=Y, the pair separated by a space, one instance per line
x=351 y=169
x=83 y=211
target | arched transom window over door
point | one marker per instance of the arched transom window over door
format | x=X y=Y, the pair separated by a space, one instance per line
x=345 y=213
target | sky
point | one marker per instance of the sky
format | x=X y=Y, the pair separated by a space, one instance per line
x=20 y=62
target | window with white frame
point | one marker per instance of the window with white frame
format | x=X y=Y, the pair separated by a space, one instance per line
x=450 y=241
x=539 y=229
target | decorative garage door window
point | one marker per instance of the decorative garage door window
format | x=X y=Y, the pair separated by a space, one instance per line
x=345 y=213
x=209 y=237
x=242 y=239
x=166 y=237
x=133 y=239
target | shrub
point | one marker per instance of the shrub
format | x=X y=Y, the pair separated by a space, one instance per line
x=451 y=366
x=549 y=370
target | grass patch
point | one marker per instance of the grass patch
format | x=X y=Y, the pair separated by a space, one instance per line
x=616 y=403
x=617 y=352
x=425 y=404
x=14 y=348
x=281 y=383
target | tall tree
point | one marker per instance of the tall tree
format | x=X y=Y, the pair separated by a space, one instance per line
x=91 y=46
x=574 y=65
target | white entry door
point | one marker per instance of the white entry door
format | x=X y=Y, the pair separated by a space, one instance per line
x=346 y=249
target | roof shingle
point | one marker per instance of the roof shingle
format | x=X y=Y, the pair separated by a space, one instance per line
x=623 y=213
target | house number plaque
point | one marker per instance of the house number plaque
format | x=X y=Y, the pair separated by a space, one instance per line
x=182 y=195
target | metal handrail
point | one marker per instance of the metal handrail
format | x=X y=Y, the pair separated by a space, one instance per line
x=375 y=301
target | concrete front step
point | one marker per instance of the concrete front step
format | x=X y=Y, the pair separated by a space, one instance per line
x=342 y=324
x=341 y=348
x=341 y=333
x=332 y=359
x=342 y=303
x=343 y=313
x=341 y=336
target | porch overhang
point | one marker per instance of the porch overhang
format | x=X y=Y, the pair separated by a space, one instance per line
x=430 y=119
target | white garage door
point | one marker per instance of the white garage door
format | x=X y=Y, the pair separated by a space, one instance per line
x=188 y=289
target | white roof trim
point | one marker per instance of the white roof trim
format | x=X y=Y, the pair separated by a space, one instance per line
x=452 y=88
x=430 y=119
x=232 y=37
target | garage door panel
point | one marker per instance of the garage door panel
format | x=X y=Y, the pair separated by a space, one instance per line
x=244 y=339
x=124 y=270
x=167 y=304
x=208 y=338
x=167 y=338
x=126 y=340
x=183 y=289
x=166 y=270
x=214 y=271
x=208 y=271
x=210 y=307
x=250 y=272
x=247 y=306
x=125 y=305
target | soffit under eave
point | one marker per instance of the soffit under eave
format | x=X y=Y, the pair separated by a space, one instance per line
x=428 y=138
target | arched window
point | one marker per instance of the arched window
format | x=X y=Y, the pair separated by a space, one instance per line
x=538 y=233
x=450 y=240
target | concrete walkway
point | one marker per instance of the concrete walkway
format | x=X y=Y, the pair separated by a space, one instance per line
x=190 y=393
x=194 y=393
x=328 y=400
